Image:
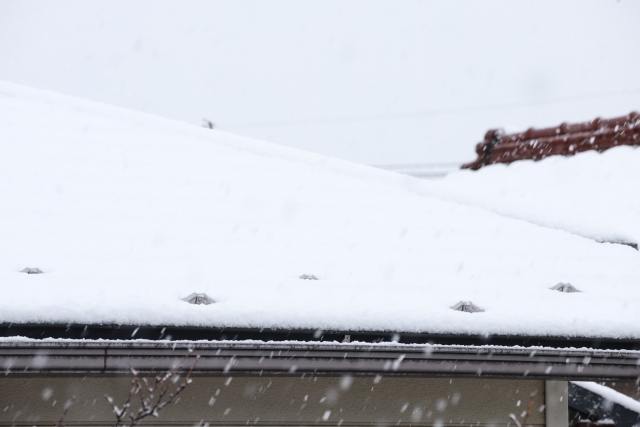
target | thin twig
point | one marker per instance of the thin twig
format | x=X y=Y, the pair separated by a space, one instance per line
x=67 y=406
x=528 y=411
x=152 y=397
x=514 y=418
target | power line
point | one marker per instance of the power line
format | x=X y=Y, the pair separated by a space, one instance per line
x=424 y=113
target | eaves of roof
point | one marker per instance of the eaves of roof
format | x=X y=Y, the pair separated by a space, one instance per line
x=194 y=333
x=110 y=357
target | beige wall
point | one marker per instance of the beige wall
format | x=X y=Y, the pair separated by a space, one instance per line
x=283 y=401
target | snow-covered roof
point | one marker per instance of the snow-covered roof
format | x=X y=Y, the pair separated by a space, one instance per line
x=610 y=395
x=591 y=194
x=126 y=214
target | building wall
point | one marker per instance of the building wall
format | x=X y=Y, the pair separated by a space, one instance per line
x=283 y=401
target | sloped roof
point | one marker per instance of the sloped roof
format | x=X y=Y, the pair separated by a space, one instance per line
x=127 y=213
x=591 y=194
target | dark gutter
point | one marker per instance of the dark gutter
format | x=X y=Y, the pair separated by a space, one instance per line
x=188 y=333
x=34 y=357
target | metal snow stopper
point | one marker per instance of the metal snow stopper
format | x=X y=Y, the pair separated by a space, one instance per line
x=31 y=271
x=308 y=277
x=564 y=287
x=467 y=307
x=198 y=299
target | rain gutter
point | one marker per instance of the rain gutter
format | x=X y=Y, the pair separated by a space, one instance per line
x=105 y=357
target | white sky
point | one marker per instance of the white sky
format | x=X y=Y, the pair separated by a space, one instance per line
x=373 y=82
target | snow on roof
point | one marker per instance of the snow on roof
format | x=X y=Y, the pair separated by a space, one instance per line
x=126 y=213
x=610 y=395
x=591 y=194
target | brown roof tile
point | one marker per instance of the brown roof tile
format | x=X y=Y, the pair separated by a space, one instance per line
x=566 y=139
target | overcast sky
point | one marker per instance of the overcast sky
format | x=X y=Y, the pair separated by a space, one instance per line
x=368 y=81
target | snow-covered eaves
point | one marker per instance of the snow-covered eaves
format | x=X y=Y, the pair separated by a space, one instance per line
x=38 y=357
x=195 y=334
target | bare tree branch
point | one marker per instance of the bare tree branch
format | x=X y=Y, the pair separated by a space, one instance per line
x=152 y=397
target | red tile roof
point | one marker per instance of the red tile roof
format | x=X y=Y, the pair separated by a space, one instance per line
x=566 y=139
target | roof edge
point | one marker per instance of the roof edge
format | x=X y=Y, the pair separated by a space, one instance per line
x=104 y=357
x=195 y=333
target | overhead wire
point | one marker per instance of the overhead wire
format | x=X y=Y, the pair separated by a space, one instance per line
x=423 y=113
